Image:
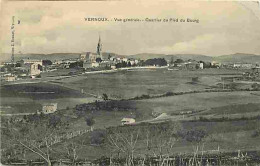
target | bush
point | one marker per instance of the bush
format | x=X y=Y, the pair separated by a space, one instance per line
x=255 y=86
x=98 y=137
x=193 y=135
x=256 y=133
x=169 y=94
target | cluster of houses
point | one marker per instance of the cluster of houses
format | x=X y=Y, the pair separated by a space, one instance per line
x=192 y=64
x=23 y=68
x=189 y=64
x=94 y=60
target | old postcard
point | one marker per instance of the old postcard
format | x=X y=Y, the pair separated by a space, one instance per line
x=130 y=83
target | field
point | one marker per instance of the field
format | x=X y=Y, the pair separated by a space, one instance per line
x=203 y=103
x=27 y=98
x=128 y=84
x=225 y=121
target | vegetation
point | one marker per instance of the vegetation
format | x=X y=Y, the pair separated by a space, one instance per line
x=156 y=62
x=199 y=118
x=34 y=133
x=90 y=122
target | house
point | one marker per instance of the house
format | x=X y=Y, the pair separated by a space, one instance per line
x=132 y=62
x=105 y=64
x=57 y=62
x=237 y=65
x=95 y=64
x=87 y=65
x=247 y=65
x=127 y=121
x=215 y=64
x=201 y=66
x=192 y=65
x=32 y=69
x=125 y=59
x=30 y=61
x=91 y=57
x=10 y=78
x=83 y=56
x=32 y=66
x=49 y=108
x=113 y=66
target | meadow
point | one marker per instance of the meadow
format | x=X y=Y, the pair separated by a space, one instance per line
x=204 y=102
x=132 y=83
x=27 y=98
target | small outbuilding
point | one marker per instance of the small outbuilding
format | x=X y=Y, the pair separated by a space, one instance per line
x=10 y=78
x=49 y=108
x=128 y=121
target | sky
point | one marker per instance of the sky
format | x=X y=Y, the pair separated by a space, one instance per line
x=59 y=27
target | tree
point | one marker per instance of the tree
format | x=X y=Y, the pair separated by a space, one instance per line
x=105 y=97
x=18 y=64
x=124 y=64
x=46 y=62
x=171 y=62
x=255 y=86
x=156 y=62
x=129 y=64
x=124 y=143
x=90 y=122
x=98 y=60
x=37 y=135
x=72 y=152
x=179 y=61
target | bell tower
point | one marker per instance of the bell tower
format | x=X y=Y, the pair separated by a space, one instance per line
x=99 y=48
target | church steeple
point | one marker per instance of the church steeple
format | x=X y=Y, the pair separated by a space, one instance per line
x=99 y=48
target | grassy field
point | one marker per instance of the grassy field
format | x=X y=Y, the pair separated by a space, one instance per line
x=202 y=102
x=38 y=91
x=128 y=84
x=24 y=98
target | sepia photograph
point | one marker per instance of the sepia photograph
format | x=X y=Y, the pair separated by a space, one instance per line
x=130 y=83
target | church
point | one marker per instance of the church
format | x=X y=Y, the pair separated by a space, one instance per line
x=93 y=57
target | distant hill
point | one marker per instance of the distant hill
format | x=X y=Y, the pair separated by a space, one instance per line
x=52 y=57
x=145 y=56
x=197 y=57
x=232 y=58
x=238 y=57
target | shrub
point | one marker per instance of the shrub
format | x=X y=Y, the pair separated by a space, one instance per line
x=193 y=135
x=98 y=137
x=256 y=133
x=169 y=94
x=255 y=86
